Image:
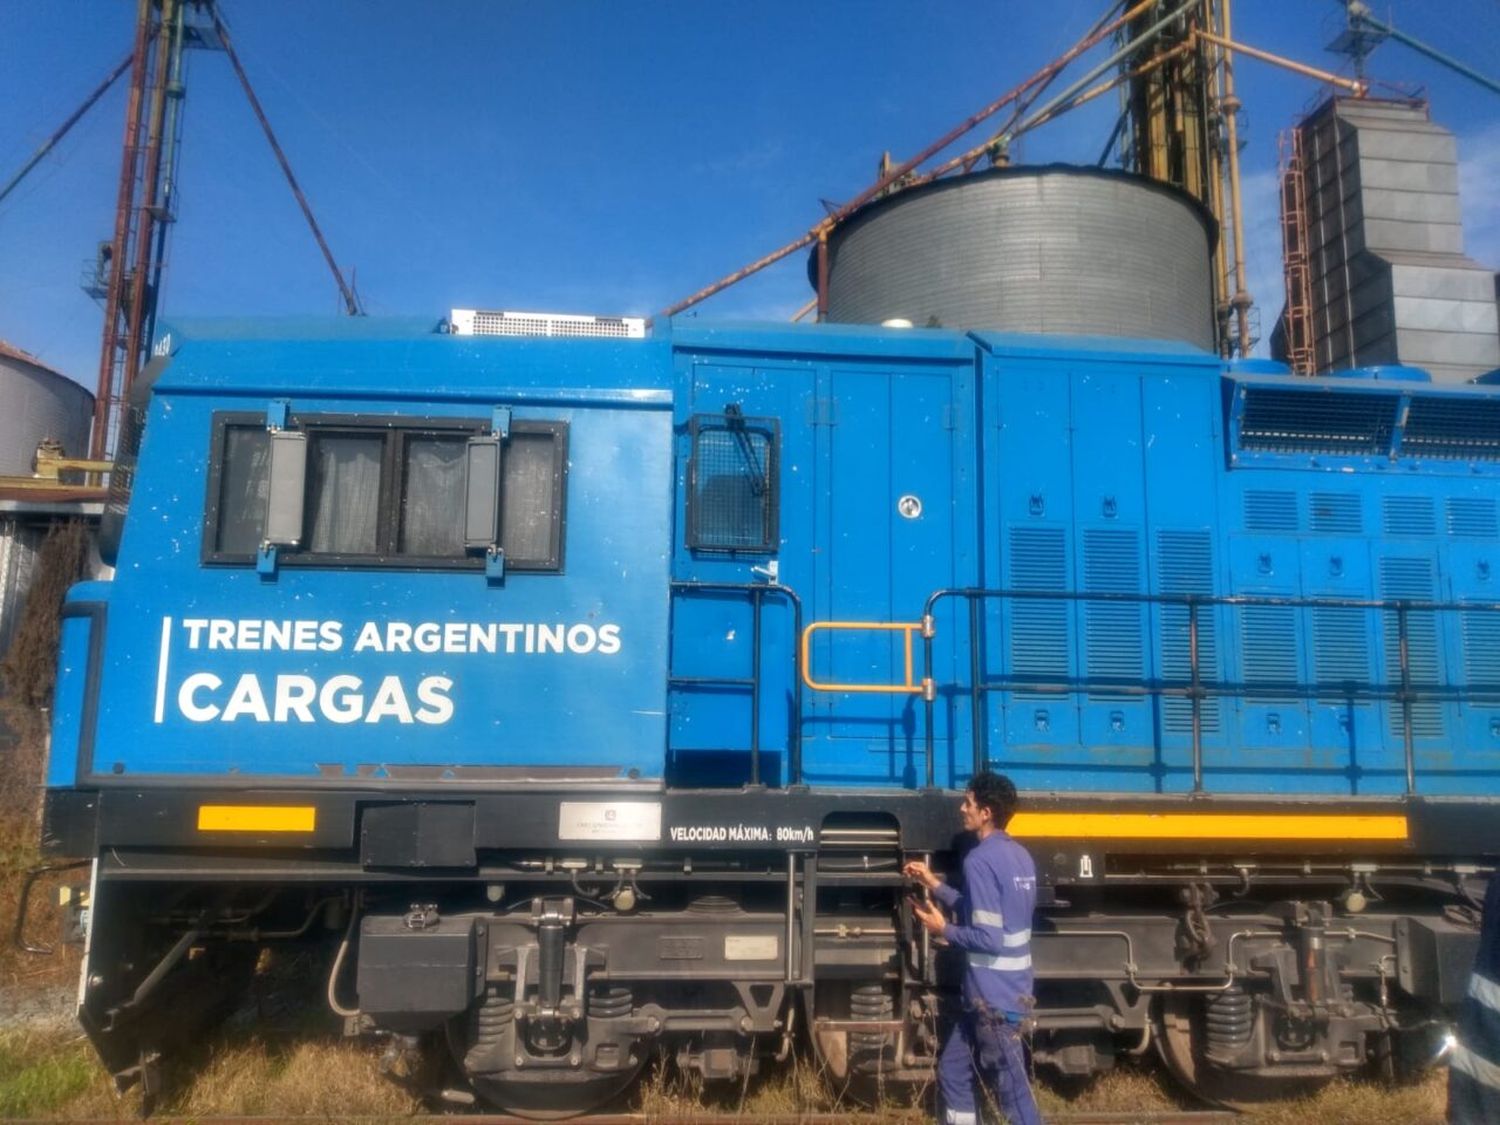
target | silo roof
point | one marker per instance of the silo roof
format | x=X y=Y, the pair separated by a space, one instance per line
x=10 y=351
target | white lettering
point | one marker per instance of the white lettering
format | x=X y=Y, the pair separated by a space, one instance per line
x=304 y=635
x=189 y=706
x=278 y=636
x=609 y=640
x=294 y=694
x=338 y=702
x=436 y=707
x=549 y=638
x=247 y=635
x=333 y=636
x=195 y=627
x=247 y=699
x=220 y=634
x=427 y=637
x=390 y=699
x=369 y=637
x=582 y=639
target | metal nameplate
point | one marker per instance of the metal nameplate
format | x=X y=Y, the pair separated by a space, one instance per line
x=750 y=947
x=609 y=820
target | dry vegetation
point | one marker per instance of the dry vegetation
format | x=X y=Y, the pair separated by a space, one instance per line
x=249 y=1071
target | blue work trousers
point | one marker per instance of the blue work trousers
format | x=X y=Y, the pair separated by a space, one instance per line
x=984 y=1048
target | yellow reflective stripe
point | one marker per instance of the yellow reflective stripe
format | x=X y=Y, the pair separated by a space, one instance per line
x=1208 y=826
x=257 y=818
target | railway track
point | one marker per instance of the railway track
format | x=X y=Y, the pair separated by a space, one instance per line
x=1168 y=1117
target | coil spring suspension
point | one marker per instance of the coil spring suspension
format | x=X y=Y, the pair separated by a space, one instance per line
x=491 y=1018
x=610 y=1001
x=1229 y=1021
x=870 y=1002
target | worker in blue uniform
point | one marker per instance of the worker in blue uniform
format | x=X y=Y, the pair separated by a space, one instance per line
x=1474 y=1068
x=989 y=918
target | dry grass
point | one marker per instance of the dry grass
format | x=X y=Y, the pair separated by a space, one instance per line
x=249 y=1071
x=24 y=971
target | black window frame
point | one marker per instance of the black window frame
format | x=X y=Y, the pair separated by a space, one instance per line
x=727 y=421
x=396 y=431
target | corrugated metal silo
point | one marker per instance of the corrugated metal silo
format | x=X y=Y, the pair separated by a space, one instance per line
x=1053 y=249
x=39 y=403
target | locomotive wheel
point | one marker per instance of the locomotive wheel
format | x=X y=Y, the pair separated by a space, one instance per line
x=1177 y=1044
x=550 y=1094
x=543 y=1097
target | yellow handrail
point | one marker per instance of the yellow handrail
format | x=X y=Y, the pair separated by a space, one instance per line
x=907 y=628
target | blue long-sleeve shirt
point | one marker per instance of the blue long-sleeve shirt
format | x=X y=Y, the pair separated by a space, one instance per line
x=991 y=923
x=1474 y=1075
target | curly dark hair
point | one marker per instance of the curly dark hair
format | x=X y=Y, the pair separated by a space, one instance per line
x=996 y=792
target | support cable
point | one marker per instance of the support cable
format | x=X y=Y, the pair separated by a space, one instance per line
x=351 y=302
x=62 y=130
x=896 y=173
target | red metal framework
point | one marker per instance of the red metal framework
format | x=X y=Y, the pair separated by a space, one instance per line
x=127 y=275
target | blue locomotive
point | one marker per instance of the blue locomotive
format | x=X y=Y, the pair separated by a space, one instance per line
x=584 y=696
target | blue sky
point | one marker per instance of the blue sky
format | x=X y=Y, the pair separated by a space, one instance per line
x=590 y=157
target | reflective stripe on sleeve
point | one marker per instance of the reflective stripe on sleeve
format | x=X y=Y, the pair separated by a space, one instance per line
x=988 y=918
x=1021 y=937
x=960 y=1117
x=1486 y=991
x=1466 y=1061
x=999 y=963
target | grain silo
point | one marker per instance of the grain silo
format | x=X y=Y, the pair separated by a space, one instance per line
x=1053 y=249
x=40 y=403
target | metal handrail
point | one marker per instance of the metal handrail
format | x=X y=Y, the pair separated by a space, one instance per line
x=905 y=628
x=757 y=592
x=1194 y=688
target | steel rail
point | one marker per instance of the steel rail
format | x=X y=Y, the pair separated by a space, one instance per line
x=707 y=1117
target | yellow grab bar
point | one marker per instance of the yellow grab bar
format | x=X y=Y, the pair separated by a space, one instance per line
x=910 y=687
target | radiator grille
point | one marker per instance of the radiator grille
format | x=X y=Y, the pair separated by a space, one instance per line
x=1481 y=633
x=1336 y=513
x=1270 y=511
x=1284 y=421
x=481 y=322
x=1453 y=428
x=1185 y=565
x=1410 y=515
x=1268 y=648
x=1113 y=630
x=1471 y=517
x=1039 y=640
x=1411 y=579
x=1341 y=651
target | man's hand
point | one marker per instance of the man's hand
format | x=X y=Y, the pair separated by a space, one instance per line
x=919 y=871
x=930 y=916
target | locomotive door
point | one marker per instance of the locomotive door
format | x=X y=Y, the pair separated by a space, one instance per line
x=885 y=540
x=865 y=532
